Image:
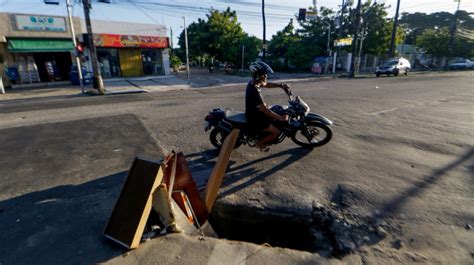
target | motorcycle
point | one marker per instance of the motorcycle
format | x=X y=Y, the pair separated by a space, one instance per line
x=305 y=128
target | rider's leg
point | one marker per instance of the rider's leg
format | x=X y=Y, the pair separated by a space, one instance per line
x=274 y=132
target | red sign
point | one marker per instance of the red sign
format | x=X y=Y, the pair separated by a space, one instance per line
x=124 y=41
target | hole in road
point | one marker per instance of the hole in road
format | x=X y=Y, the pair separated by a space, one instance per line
x=324 y=231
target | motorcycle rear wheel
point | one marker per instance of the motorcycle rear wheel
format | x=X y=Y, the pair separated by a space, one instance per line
x=217 y=138
x=314 y=135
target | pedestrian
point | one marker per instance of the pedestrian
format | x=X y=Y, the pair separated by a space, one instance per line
x=259 y=116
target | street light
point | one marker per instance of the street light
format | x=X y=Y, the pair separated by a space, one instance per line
x=73 y=36
x=187 y=52
x=78 y=60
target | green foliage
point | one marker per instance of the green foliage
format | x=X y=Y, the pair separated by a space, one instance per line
x=290 y=48
x=378 y=29
x=252 y=48
x=221 y=37
x=436 y=43
x=297 y=48
x=417 y=23
x=281 y=43
x=175 y=62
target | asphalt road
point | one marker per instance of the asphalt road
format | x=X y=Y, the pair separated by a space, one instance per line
x=402 y=151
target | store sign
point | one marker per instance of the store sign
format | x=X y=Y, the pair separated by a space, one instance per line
x=40 y=23
x=343 y=42
x=123 y=41
x=311 y=15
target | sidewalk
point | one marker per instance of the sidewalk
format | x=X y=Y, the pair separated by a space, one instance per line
x=199 y=78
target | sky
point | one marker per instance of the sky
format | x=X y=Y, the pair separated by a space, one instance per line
x=170 y=13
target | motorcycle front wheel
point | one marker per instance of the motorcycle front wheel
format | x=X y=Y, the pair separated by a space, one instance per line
x=217 y=138
x=313 y=135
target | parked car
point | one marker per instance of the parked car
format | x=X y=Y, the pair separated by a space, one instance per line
x=394 y=67
x=462 y=64
x=182 y=67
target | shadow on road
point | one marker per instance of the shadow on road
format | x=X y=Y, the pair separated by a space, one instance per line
x=239 y=172
x=397 y=203
x=201 y=165
x=61 y=225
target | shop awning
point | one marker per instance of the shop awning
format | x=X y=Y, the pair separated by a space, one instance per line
x=40 y=45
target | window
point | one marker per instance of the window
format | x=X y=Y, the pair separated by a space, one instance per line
x=152 y=62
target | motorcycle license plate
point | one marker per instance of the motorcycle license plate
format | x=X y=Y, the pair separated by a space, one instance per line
x=207 y=126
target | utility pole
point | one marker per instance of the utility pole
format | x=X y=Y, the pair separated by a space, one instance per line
x=451 y=38
x=391 y=52
x=187 y=51
x=73 y=35
x=264 y=31
x=338 y=35
x=354 y=40
x=243 y=52
x=264 y=50
x=359 y=55
x=171 y=33
x=97 y=79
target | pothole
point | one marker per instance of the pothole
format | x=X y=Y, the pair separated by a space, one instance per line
x=324 y=230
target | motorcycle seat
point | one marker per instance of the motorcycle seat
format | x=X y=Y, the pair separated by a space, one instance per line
x=237 y=119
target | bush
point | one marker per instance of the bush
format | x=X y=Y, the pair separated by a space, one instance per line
x=175 y=62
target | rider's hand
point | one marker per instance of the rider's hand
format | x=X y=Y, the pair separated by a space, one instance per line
x=284 y=118
x=285 y=87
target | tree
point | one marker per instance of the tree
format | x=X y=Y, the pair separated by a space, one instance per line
x=434 y=41
x=280 y=44
x=309 y=41
x=378 y=29
x=417 y=23
x=220 y=37
x=252 y=47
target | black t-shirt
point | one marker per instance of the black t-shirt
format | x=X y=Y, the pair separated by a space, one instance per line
x=253 y=98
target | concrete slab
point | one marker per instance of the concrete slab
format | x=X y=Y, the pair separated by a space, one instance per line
x=181 y=249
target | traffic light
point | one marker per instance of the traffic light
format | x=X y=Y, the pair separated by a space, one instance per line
x=80 y=49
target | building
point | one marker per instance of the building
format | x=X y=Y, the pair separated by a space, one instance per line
x=130 y=49
x=38 y=48
x=35 y=48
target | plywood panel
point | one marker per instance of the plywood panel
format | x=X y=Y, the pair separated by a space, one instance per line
x=129 y=216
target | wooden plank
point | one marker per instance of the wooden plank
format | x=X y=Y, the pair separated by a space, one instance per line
x=218 y=173
x=132 y=209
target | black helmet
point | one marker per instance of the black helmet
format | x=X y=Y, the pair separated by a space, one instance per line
x=260 y=68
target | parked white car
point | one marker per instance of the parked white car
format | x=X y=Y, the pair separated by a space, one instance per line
x=462 y=64
x=394 y=66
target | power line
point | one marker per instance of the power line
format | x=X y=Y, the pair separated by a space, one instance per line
x=144 y=12
x=198 y=9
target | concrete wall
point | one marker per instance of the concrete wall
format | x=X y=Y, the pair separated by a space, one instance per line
x=166 y=61
x=125 y=28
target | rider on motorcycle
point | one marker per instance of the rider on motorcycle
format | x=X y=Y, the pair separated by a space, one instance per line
x=258 y=114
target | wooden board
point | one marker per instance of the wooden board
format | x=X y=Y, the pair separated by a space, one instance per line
x=218 y=173
x=132 y=209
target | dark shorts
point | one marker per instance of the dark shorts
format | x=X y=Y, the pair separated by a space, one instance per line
x=260 y=124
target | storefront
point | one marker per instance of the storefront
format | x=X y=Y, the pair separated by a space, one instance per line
x=130 y=55
x=36 y=48
x=41 y=60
